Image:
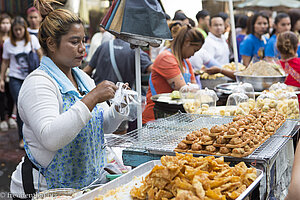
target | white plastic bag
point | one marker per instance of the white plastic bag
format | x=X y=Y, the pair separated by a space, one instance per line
x=126 y=101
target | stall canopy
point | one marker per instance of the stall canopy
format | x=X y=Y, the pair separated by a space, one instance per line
x=270 y=3
x=142 y=20
x=141 y=23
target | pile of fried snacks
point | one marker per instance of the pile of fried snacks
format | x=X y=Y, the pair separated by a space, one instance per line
x=184 y=177
x=237 y=139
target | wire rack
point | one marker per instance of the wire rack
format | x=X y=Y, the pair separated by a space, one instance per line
x=163 y=135
x=189 y=122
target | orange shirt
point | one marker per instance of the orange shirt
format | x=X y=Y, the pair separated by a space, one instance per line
x=164 y=68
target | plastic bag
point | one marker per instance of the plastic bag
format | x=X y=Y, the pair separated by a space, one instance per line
x=278 y=86
x=126 y=101
x=266 y=101
x=188 y=91
x=245 y=88
x=113 y=158
x=202 y=102
x=237 y=104
x=288 y=105
x=207 y=96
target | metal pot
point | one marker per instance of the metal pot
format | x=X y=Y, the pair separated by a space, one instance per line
x=259 y=83
x=212 y=83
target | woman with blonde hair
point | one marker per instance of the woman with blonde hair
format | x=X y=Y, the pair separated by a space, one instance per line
x=171 y=69
x=65 y=115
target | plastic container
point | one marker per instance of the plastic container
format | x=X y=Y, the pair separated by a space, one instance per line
x=266 y=101
x=203 y=100
x=207 y=96
x=188 y=91
x=237 y=104
x=245 y=88
x=288 y=105
x=278 y=86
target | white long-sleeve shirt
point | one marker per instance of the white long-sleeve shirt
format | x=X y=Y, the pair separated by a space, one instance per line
x=45 y=128
x=217 y=48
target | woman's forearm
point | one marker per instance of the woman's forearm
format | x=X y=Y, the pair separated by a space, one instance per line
x=228 y=73
x=246 y=60
x=4 y=67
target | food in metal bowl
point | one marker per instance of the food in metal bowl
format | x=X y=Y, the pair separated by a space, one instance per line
x=259 y=83
x=263 y=68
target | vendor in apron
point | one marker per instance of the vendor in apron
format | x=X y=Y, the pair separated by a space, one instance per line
x=171 y=69
x=65 y=115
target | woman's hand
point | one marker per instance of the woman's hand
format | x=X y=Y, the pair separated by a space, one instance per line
x=2 y=85
x=102 y=92
x=105 y=91
x=213 y=70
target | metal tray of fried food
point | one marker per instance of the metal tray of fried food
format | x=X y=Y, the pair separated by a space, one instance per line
x=119 y=189
x=163 y=135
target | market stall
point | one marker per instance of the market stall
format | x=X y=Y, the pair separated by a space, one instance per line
x=241 y=150
x=162 y=136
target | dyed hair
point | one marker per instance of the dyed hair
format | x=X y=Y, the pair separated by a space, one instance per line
x=55 y=24
x=186 y=33
x=19 y=21
x=287 y=43
x=174 y=27
x=254 y=19
x=31 y=10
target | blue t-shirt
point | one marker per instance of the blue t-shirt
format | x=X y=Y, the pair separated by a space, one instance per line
x=271 y=49
x=253 y=46
x=239 y=40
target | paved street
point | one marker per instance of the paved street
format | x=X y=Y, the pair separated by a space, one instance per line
x=10 y=155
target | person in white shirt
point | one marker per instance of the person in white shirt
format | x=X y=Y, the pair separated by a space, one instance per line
x=202 y=57
x=215 y=43
x=15 y=56
x=65 y=115
x=96 y=41
x=34 y=19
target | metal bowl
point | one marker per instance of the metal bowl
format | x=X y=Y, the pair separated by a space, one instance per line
x=212 y=83
x=259 y=83
x=70 y=192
